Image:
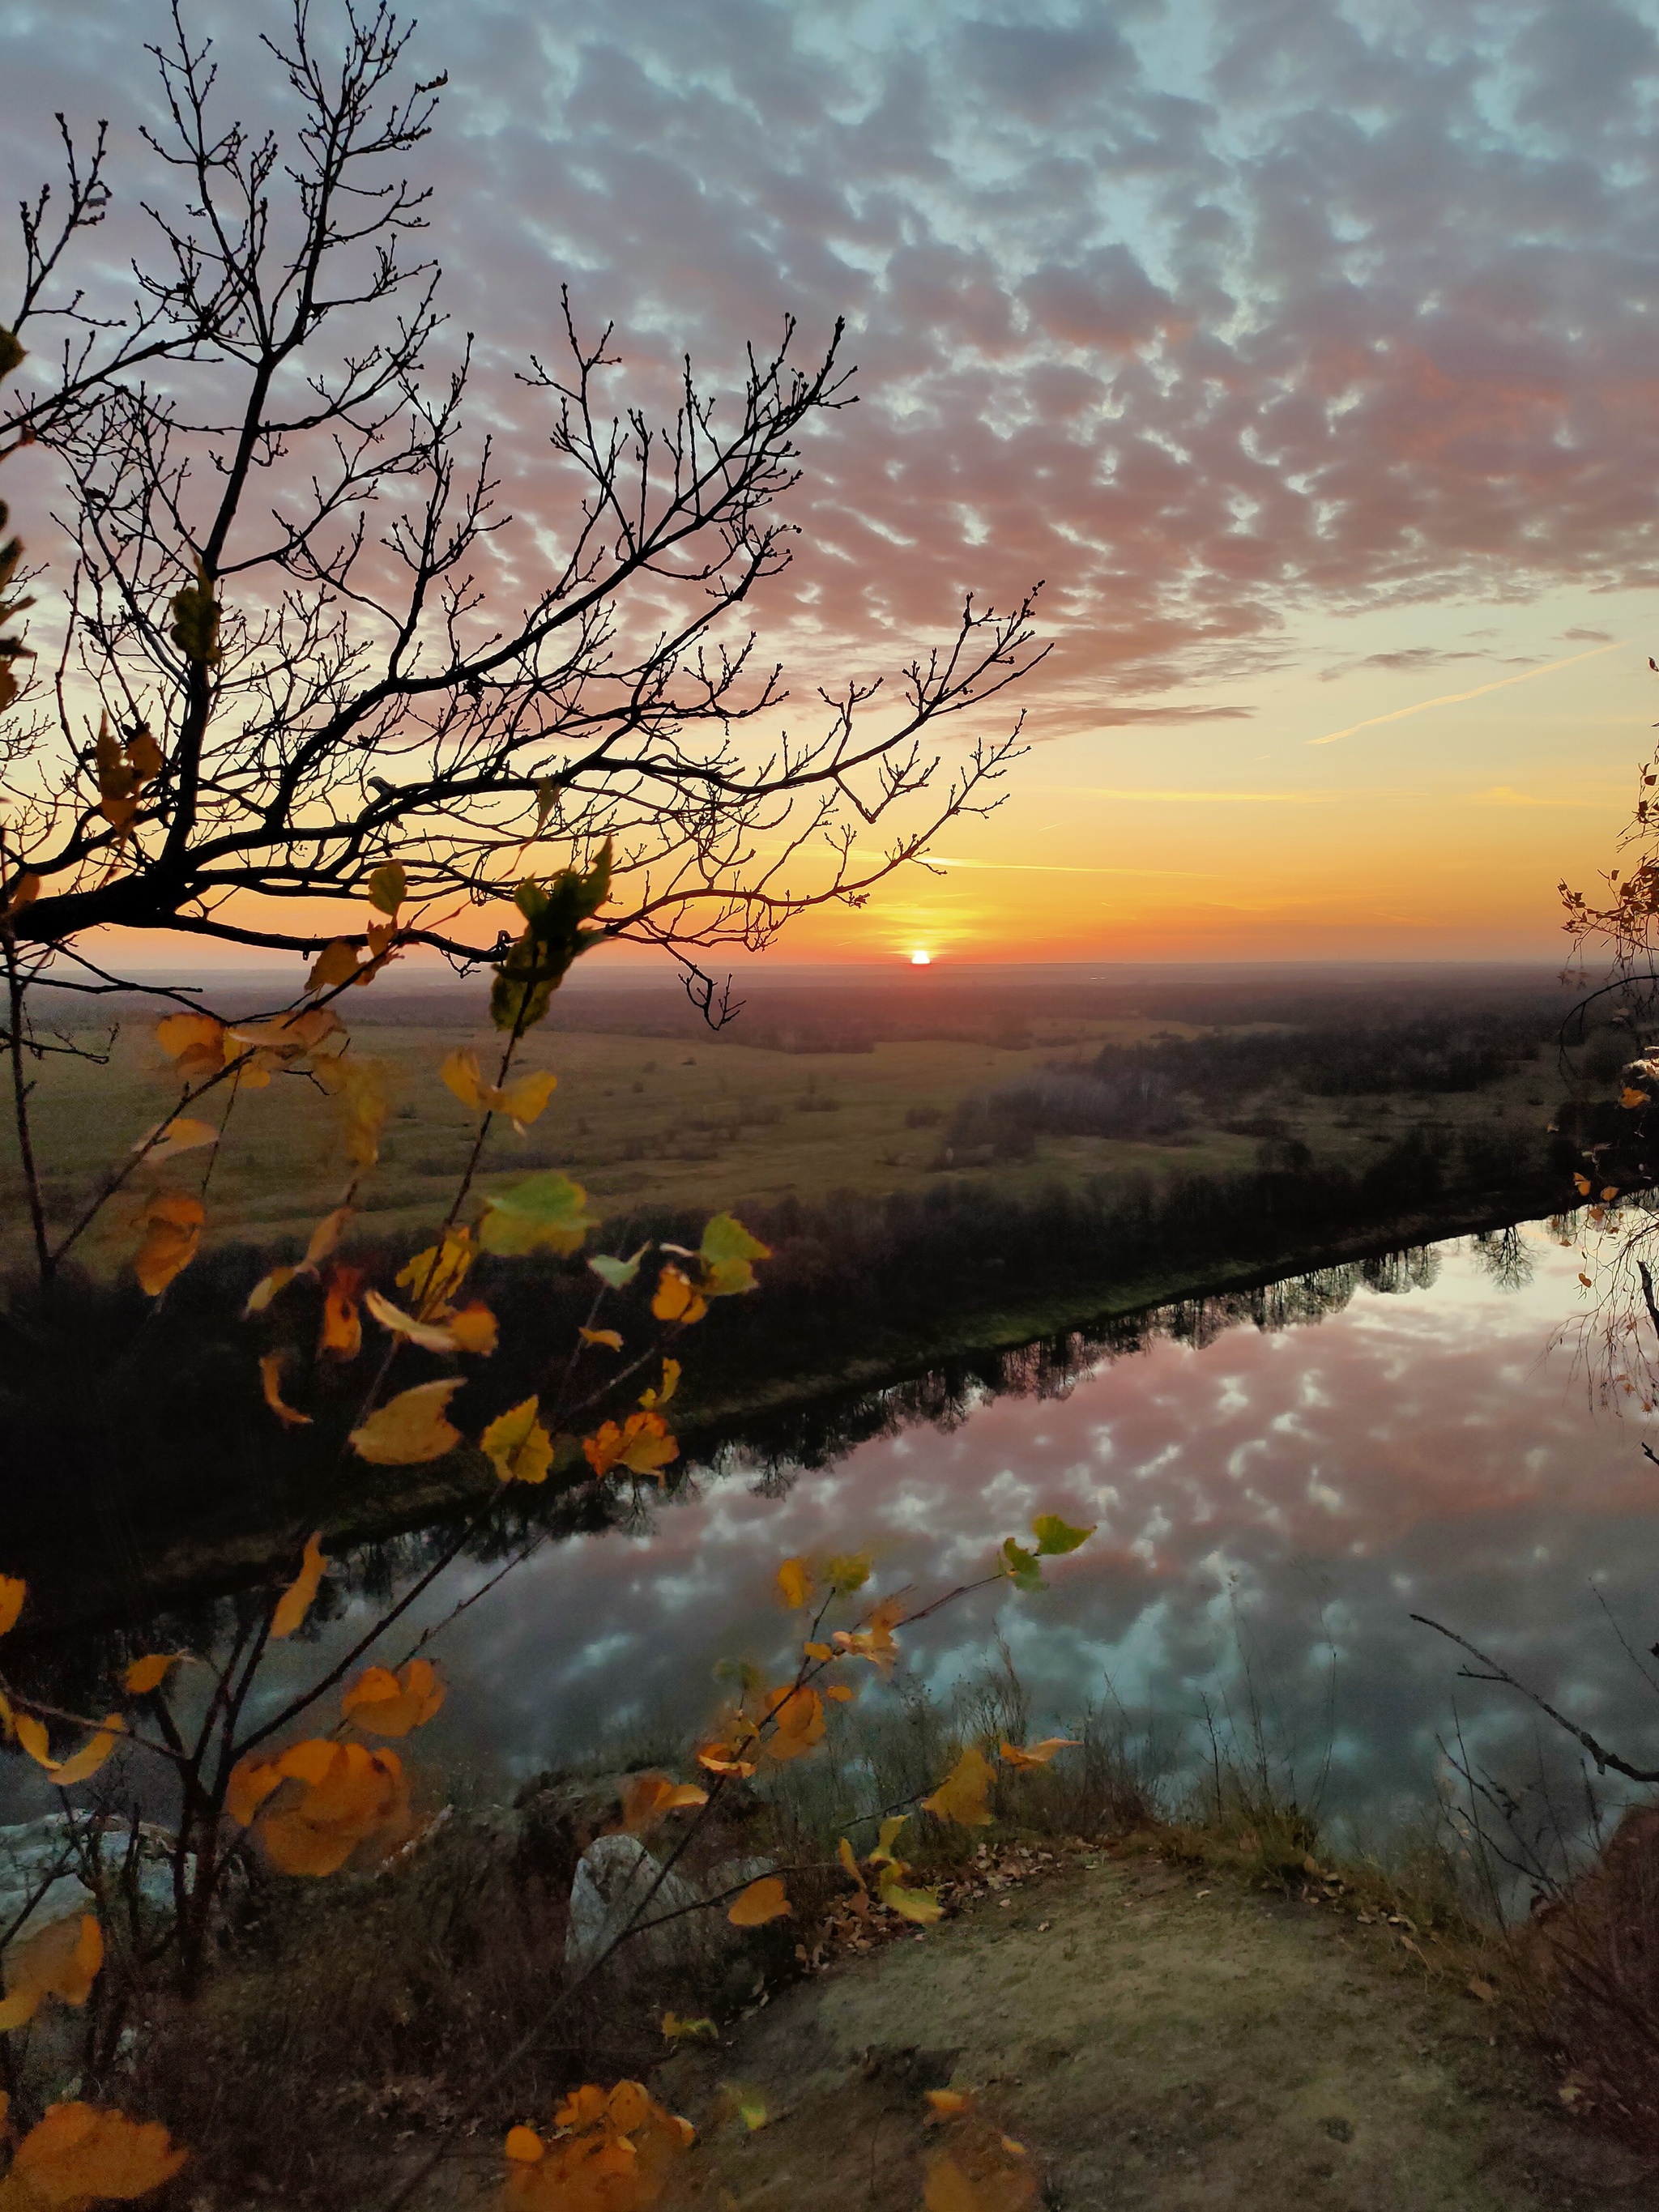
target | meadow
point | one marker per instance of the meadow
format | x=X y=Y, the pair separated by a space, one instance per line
x=809 y=1095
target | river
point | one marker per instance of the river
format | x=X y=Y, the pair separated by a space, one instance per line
x=1277 y=1488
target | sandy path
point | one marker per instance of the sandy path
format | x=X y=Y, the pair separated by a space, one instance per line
x=1156 y=2038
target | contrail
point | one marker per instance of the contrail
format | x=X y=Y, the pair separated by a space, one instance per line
x=1456 y=698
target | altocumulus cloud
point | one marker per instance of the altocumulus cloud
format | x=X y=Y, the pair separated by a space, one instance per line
x=1204 y=312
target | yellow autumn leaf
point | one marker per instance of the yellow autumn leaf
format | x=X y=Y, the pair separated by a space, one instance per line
x=684 y=2031
x=524 y=1099
x=428 y=1334
x=961 y=1796
x=388 y=887
x=266 y=1289
x=195 y=1044
x=458 y=1073
x=921 y=1907
x=391 y=1704
x=410 y=1428
x=326 y=1235
x=13 y=1590
x=524 y=2146
x=182 y=1134
x=949 y=2103
x=81 y=2154
x=298 y=1598
x=883 y=1854
x=609 y=1337
x=335 y=964
x=172 y=1231
x=659 y=1394
x=761 y=1901
x=433 y=1276
x=516 y=1444
x=270 y=1376
x=795 y=1585
x=149 y=1673
x=65 y=1772
x=359 y=1087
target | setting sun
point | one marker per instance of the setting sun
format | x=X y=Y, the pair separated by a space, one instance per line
x=919 y=959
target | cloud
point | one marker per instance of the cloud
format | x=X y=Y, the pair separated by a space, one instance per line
x=1579 y=634
x=1206 y=316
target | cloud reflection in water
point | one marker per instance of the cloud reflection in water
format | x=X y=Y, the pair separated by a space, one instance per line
x=1290 y=1495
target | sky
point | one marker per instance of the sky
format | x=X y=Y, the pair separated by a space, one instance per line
x=1302 y=347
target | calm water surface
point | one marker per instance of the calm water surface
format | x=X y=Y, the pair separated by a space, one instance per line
x=1273 y=1502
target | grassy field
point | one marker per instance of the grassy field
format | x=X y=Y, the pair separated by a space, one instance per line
x=645 y=1120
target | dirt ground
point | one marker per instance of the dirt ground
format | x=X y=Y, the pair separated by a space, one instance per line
x=1152 y=2037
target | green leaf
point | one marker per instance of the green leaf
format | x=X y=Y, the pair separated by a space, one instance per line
x=725 y=1239
x=726 y=1252
x=617 y=1273
x=1054 y=1537
x=1021 y=1566
x=388 y=887
x=545 y=1209
x=553 y=937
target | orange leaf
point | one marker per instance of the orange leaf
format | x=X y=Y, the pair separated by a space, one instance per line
x=797 y=1724
x=525 y=2145
x=1036 y=1755
x=298 y=1598
x=63 y=1960
x=950 y=2188
x=270 y=1374
x=182 y=1134
x=795 y=1585
x=13 y=1591
x=761 y=1901
x=252 y=1781
x=410 y=1428
x=642 y=1445
x=961 y=1795
x=473 y=1328
x=677 y=1299
x=391 y=1704
x=148 y=1674
x=948 y=2102
x=606 y=1336
x=175 y=1220
x=79 y=2153
x=648 y=1797
x=343 y=1327
x=349 y=1796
